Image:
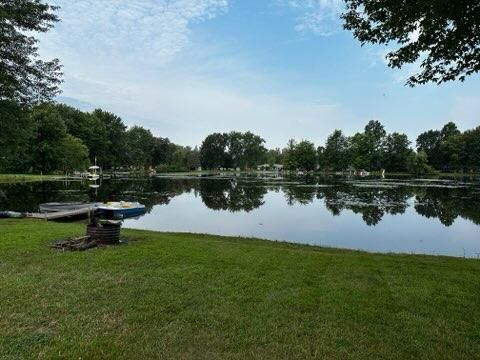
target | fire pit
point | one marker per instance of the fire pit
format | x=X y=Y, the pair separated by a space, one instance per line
x=105 y=233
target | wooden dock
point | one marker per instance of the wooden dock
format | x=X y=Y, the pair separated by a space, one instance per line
x=61 y=214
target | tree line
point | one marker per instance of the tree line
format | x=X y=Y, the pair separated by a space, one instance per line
x=447 y=149
x=52 y=138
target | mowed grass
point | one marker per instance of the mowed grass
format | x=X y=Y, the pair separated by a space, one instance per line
x=13 y=178
x=207 y=297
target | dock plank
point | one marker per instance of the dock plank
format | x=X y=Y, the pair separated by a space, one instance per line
x=60 y=214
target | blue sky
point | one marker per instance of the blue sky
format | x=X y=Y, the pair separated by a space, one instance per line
x=280 y=68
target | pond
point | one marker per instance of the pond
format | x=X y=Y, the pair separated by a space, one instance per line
x=438 y=217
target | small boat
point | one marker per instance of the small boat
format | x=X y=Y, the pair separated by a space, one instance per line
x=66 y=206
x=121 y=209
x=93 y=172
x=11 y=214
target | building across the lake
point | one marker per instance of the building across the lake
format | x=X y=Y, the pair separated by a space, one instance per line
x=268 y=167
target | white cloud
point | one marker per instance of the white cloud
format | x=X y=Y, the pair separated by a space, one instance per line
x=143 y=30
x=136 y=58
x=322 y=17
x=186 y=108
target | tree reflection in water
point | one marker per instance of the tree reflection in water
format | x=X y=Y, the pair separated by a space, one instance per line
x=229 y=194
x=245 y=194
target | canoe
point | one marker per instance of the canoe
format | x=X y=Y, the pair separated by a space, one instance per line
x=66 y=206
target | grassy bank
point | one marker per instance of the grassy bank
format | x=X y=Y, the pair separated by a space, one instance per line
x=191 y=296
x=12 y=178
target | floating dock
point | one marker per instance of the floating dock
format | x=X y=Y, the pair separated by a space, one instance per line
x=62 y=214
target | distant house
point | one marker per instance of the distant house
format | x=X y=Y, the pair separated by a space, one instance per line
x=278 y=167
x=263 y=167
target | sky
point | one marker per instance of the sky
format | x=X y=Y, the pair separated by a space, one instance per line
x=279 y=68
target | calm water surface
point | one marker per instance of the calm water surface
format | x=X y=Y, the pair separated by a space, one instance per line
x=439 y=217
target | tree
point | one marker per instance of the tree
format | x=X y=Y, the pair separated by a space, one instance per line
x=442 y=34
x=305 y=155
x=471 y=139
x=91 y=128
x=17 y=130
x=429 y=142
x=213 y=151
x=290 y=160
x=254 y=150
x=74 y=154
x=235 y=149
x=335 y=155
x=397 y=152
x=192 y=158
x=115 y=138
x=274 y=156
x=360 y=151
x=23 y=77
x=47 y=144
x=163 y=151
x=445 y=148
x=141 y=146
x=374 y=137
x=451 y=147
x=418 y=163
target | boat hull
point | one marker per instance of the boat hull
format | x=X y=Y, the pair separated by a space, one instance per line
x=121 y=213
x=67 y=206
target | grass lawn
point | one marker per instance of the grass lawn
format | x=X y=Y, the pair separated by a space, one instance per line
x=11 y=178
x=192 y=296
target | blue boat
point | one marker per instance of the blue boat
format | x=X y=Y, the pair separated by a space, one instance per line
x=121 y=209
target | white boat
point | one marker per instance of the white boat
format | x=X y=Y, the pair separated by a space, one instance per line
x=94 y=172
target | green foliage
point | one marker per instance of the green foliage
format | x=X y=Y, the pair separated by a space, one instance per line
x=362 y=151
x=115 y=139
x=290 y=161
x=213 y=152
x=17 y=130
x=430 y=142
x=305 y=155
x=56 y=137
x=24 y=78
x=418 y=163
x=74 y=154
x=274 y=156
x=336 y=153
x=471 y=142
x=254 y=151
x=397 y=152
x=232 y=150
x=449 y=149
x=442 y=35
x=140 y=147
x=373 y=143
x=53 y=137
x=46 y=148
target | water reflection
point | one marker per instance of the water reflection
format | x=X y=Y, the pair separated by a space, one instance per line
x=236 y=194
x=229 y=194
x=290 y=209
